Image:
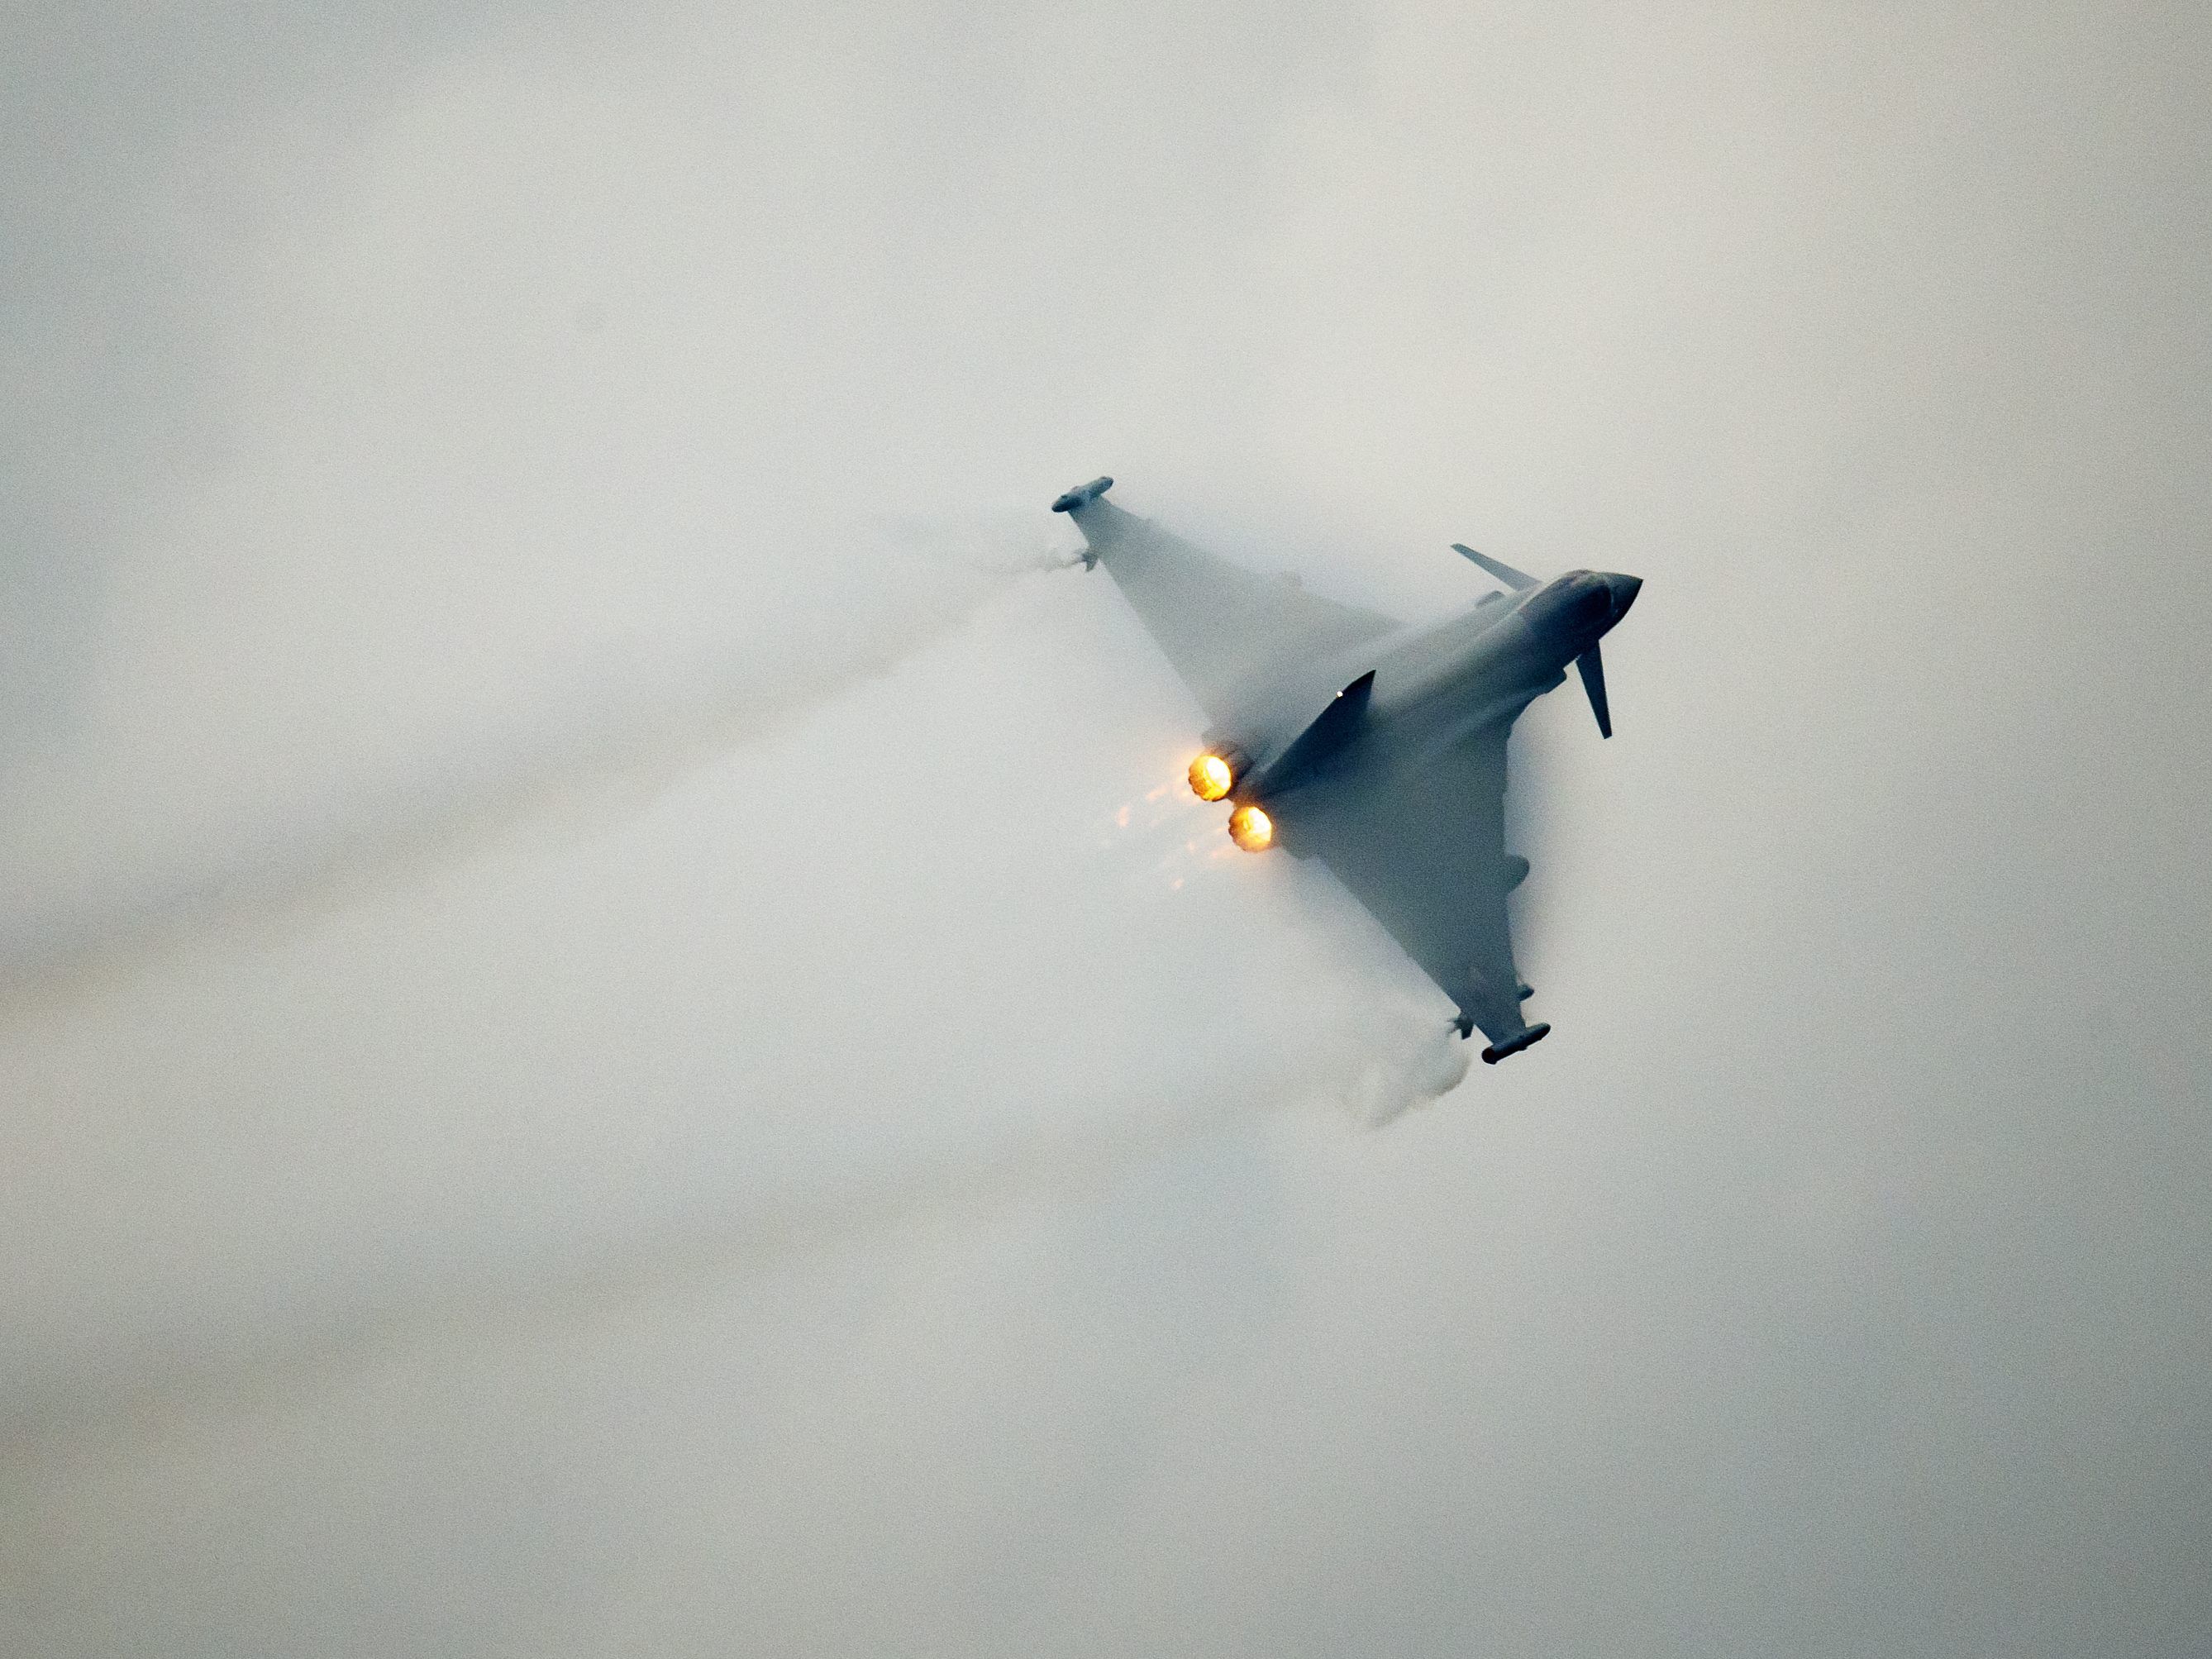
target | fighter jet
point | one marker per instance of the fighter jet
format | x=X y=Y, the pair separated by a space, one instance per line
x=1377 y=748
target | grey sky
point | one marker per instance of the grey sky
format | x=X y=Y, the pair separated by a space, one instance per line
x=614 y=1034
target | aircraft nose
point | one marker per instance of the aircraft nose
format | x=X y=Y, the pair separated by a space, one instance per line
x=1624 y=589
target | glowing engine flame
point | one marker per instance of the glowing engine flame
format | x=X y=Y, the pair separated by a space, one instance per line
x=1210 y=777
x=1251 y=830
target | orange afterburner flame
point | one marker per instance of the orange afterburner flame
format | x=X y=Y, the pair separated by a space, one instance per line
x=1251 y=830
x=1210 y=777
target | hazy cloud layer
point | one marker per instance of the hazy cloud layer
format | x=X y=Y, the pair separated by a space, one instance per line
x=617 y=1035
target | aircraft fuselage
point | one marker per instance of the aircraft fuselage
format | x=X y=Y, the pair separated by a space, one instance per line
x=1432 y=685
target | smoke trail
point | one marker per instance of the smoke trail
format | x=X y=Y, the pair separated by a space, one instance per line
x=584 y=750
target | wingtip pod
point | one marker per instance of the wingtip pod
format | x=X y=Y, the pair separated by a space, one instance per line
x=1082 y=495
x=1515 y=1044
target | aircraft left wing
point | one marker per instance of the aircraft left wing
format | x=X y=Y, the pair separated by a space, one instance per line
x=1423 y=847
x=1223 y=627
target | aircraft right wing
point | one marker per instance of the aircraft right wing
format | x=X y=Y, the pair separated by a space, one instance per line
x=1221 y=626
x=1423 y=847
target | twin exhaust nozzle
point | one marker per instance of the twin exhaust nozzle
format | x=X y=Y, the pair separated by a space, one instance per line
x=1212 y=775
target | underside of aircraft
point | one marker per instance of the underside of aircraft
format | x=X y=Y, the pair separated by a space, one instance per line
x=1377 y=748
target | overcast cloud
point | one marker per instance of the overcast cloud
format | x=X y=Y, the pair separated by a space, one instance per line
x=615 y=1035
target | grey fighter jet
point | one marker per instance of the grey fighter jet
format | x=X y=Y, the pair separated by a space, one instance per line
x=1375 y=747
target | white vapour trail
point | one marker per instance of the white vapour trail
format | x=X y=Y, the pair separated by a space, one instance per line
x=900 y=1042
x=571 y=754
x=1401 y=1067
x=1382 y=1060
